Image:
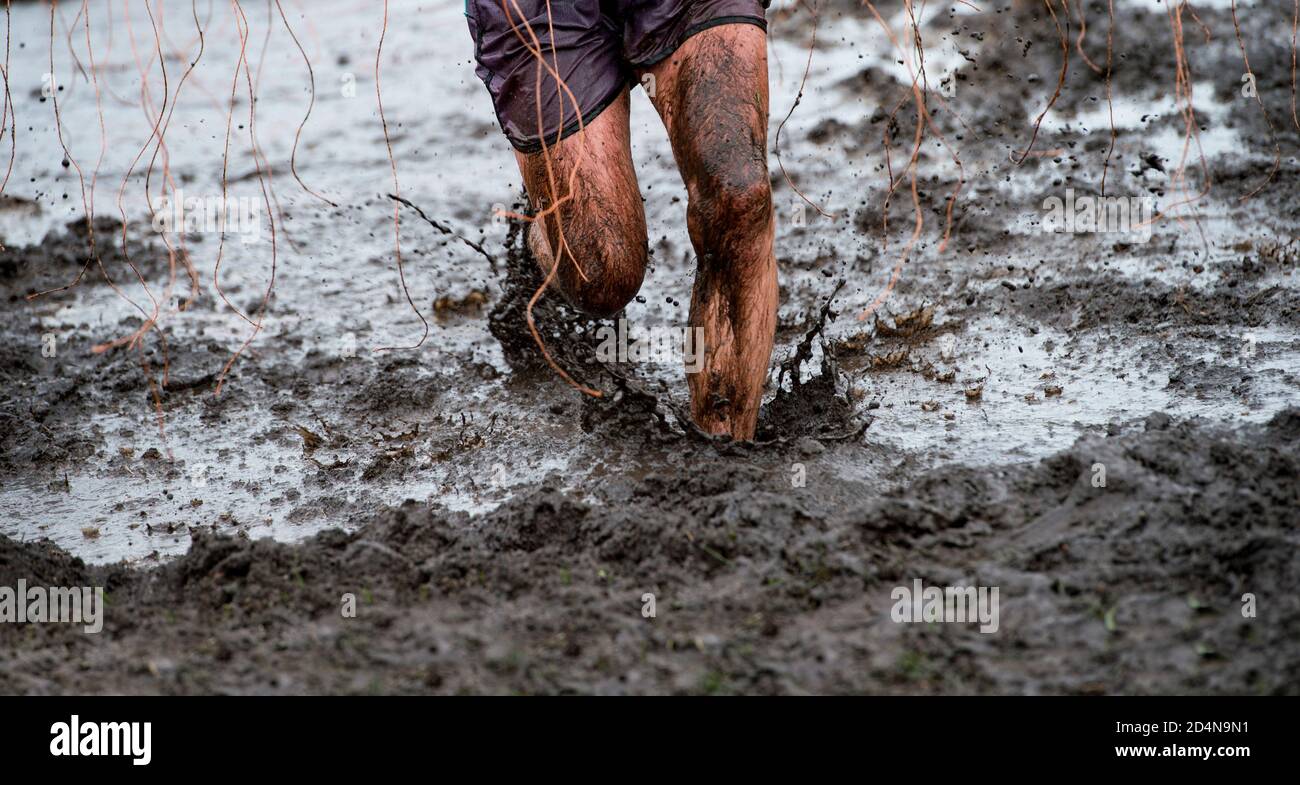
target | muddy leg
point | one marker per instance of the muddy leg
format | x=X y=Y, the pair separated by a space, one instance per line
x=600 y=231
x=712 y=96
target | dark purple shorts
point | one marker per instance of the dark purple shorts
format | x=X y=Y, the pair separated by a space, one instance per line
x=598 y=44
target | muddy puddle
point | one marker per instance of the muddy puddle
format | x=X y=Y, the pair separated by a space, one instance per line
x=502 y=529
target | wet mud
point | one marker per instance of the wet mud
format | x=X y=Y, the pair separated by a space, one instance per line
x=1104 y=427
x=1132 y=587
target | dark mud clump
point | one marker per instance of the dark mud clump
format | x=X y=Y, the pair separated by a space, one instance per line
x=47 y=366
x=724 y=579
x=62 y=255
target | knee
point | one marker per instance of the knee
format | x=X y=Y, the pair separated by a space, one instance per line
x=734 y=202
x=612 y=279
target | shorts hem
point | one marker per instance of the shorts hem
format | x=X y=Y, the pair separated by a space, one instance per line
x=531 y=146
x=699 y=28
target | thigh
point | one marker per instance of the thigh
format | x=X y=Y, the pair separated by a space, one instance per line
x=585 y=188
x=713 y=98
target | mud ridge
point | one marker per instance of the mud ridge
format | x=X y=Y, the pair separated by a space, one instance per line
x=757 y=589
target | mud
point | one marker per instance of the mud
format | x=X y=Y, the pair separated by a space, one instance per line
x=1134 y=587
x=499 y=529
